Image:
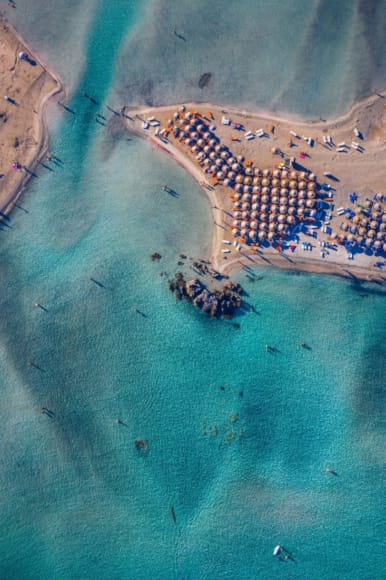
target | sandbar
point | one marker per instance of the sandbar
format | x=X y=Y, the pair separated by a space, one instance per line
x=27 y=84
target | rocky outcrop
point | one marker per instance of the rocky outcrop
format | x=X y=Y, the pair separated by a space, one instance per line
x=216 y=303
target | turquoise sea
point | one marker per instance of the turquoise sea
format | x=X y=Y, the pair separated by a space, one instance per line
x=238 y=439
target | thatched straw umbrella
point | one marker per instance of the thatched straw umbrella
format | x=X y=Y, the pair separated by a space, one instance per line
x=248 y=171
x=271 y=236
x=350 y=237
x=265 y=181
x=282 y=228
x=381 y=236
x=275 y=199
x=258 y=172
x=275 y=182
x=377 y=244
x=291 y=220
x=220 y=175
x=272 y=227
x=255 y=214
x=371 y=234
x=247 y=189
x=263 y=226
x=283 y=209
x=240 y=158
x=236 y=167
x=284 y=201
x=384 y=218
x=284 y=192
x=302 y=185
x=245 y=224
x=261 y=235
x=235 y=232
x=293 y=184
x=255 y=206
x=294 y=175
x=362 y=231
x=285 y=183
x=374 y=225
x=246 y=197
x=236 y=214
x=244 y=232
x=256 y=189
x=274 y=208
x=265 y=198
x=239 y=179
x=236 y=223
x=354 y=229
x=267 y=172
x=253 y=235
x=246 y=214
x=264 y=208
x=213 y=156
x=293 y=202
x=311 y=194
x=236 y=196
x=302 y=194
x=246 y=206
x=254 y=225
x=272 y=217
x=311 y=177
x=239 y=188
x=311 y=186
x=368 y=242
x=292 y=211
x=384 y=247
x=284 y=174
x=367 y=204
x=248 y=180
x=219 y=162
x=277 y=173
x=256 y=181
x=275 y=191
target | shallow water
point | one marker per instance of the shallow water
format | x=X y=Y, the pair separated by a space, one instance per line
x=238 y=438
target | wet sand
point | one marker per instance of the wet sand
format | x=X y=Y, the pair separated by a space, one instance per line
x=28 y=84
x=353 y=171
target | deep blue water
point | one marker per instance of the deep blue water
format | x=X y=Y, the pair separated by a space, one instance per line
x=238 y=439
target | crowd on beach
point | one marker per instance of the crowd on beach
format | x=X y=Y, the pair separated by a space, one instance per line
x=272 y=206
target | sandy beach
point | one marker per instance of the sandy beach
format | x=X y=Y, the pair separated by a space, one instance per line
x=298 y=143
x=27 y=85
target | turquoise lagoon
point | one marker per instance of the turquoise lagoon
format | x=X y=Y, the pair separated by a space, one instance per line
x=238 y=439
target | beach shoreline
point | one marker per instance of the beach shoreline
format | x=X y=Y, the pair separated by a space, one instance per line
x=355 y=173
x=33 y=89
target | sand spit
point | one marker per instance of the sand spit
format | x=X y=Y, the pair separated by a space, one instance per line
x=330 y=172
x=26 y=84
